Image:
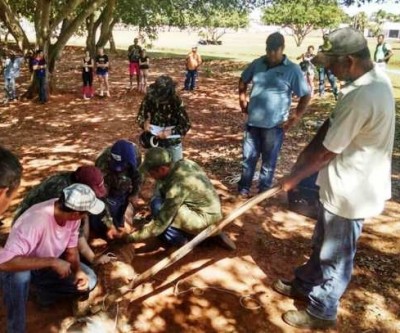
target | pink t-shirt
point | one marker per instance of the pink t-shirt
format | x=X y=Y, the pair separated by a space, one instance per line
x=37 y=234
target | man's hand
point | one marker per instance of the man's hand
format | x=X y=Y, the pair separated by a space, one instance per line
x=134 y=200
x=165 y=134
x=81 y=281
x=146 y=125
x=288 y=183
x=243 y=105
x=114 y=233
x=61 y=267
x=291 y=122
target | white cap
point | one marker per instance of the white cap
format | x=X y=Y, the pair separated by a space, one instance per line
x=81 y=198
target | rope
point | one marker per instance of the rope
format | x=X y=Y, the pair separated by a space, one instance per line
x=244 y=300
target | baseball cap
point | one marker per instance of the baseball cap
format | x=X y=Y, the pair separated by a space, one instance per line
x=275 y=41
x=340 y=42
x=81 y=198
x=122 y=154
x=154 y=158
x=92 y=177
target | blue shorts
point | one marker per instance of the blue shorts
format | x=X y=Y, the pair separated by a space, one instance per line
x=100 y=72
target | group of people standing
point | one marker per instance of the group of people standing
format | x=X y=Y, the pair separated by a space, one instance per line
x=351 y=155
x=351 y=151
x=382 y=55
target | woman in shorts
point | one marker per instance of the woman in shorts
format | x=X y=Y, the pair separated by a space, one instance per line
x=144 y=70
x=102 y=65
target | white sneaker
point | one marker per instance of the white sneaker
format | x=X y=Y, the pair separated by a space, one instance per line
x=108 y=94
x=101 y=93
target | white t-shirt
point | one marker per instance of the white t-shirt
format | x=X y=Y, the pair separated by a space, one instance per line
x=37 y=234
x=356 y=183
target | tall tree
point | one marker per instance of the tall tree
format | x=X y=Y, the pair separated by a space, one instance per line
x=215 y=22
x=360 y=21
x=50 y=18
x=303 y=16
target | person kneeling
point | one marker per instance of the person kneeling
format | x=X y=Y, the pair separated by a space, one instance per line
x=42 y=248
x=185 y=204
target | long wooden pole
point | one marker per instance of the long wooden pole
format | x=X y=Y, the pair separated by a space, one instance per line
x=184 y=250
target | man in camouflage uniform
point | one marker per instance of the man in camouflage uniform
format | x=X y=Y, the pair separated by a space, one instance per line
x=164 y=108
x=53 y=186
x=119 y=164
x=188 y=202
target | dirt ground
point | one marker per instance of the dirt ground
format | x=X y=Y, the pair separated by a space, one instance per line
x=211 y=289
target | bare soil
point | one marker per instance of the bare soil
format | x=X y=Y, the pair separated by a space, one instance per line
x=211 y=289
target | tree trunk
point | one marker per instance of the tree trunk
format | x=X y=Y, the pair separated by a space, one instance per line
x=91 y=35
x=106 y=23
x=11 y=22
x=113 y=48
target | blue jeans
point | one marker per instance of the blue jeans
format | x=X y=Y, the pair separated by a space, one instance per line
x=116 y=206
x=42 y=88
x=322 y=72
x=190 y=81
x=326 y=274
x=176 y=152
x=9 y=87
x=257 y=141
x=50 y=287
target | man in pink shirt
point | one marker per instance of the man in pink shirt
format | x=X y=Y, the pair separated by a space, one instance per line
x=42 y=249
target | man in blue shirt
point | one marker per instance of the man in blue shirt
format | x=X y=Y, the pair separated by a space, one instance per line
x=274 y=79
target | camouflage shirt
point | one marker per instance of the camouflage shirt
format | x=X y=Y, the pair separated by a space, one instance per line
x=172 y=113
x=119 y=183
x=48 y=189
x=188 y=190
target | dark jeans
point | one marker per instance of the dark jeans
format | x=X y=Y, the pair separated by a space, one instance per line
x=50 y=287
x=87 y=78
x=190 y=81
x=42 y=88
x=116 y=206
x=326 y=274
x=257 y=141
x=322 y=72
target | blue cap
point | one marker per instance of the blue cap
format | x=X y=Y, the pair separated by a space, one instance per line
x=122 y=155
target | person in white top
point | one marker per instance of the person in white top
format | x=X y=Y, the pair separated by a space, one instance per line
x=383 y=52
x=352 y=152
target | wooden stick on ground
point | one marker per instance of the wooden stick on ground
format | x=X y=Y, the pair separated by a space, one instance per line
x=184 y=250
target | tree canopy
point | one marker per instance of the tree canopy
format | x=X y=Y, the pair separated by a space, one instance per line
x=303 y=16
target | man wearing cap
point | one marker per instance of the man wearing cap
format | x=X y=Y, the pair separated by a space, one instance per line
x=193 y=62
x=187 y=203
x=133 y=57
x=53 y=186
x=274 y=79
x=352 y=152
x=164 y=109
x=42 y=249
x=119 y=164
